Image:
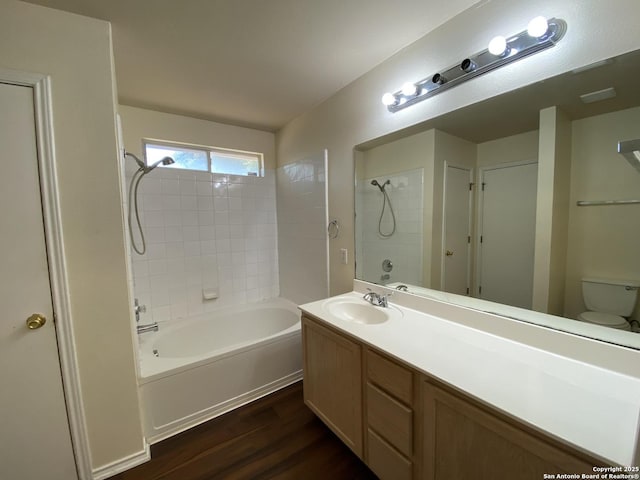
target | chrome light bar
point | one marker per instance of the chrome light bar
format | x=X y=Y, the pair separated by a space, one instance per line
x=501 y=51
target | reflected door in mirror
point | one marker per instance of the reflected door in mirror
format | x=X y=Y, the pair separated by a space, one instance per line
x=508 y=216
x=457 y=230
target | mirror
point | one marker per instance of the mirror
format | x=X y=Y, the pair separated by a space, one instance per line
x=504 y=205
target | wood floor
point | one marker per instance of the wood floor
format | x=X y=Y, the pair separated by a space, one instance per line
x=276 y=437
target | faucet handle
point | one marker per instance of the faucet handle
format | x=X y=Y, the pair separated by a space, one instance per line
x=384 y=299
x=138 y=309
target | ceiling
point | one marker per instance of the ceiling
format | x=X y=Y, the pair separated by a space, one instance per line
x=254 y=63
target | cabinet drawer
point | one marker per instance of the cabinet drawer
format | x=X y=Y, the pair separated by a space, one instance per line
x=385 y=462
x=390 y=419
x=391 y=377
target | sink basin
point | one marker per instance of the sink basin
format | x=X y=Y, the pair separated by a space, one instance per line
x=358 y=311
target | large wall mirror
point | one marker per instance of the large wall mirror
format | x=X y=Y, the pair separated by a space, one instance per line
x=513 y=204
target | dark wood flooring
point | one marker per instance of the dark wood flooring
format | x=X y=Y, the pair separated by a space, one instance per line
x=276 y=437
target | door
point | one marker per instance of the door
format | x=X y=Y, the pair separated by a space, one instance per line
x=508 y=226
x=457 y=230
x=35 y=441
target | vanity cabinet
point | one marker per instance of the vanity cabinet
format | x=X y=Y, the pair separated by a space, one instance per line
x=389 y=417
x=464 y=439
x=407 y=425
x=332 y=365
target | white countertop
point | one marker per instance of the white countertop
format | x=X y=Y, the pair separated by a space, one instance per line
x=593 y=405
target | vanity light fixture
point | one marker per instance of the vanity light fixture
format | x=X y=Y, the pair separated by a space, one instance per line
x=538 y=27
x=498 y=46
x=409 y=89
x=539 y=35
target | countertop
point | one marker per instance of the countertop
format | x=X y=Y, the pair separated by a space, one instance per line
x=592 y=405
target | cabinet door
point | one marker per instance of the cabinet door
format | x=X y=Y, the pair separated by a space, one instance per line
x=333 y=381
x=463 y=440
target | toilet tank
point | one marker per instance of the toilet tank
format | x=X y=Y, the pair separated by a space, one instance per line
x=617 y=297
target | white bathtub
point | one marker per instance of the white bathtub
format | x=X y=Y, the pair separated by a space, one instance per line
x=196 y=369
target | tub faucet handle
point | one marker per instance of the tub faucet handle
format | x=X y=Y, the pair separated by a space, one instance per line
x=138 y=309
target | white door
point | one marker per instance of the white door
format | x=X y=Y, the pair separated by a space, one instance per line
x=457 y=225
x=35 y=442
x=508 y=225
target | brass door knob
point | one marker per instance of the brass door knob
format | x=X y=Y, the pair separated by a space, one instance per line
x=449 y=253
x=35 y=321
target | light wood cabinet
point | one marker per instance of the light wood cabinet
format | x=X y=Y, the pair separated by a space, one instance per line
x=406 y=425
x=333 y=381
x=390 y=376
x=385 y=461
x=389 y=417
x=464 y=439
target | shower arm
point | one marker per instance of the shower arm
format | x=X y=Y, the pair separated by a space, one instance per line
x=138 y=161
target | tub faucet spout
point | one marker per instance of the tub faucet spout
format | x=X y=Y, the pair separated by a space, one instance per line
x=150 y=327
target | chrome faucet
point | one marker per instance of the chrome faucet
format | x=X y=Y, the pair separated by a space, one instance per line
x=377 y=299
x=138 y=309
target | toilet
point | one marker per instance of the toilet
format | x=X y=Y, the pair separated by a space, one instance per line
x=608 y=301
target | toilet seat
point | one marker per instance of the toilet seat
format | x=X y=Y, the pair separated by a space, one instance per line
x=605 y=319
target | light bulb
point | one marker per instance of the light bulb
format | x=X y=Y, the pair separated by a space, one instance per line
x=409 y=89
x=538 y=27
x=389 y=99
x=498 y=45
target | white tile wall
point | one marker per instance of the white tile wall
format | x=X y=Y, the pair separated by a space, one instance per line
x=205 y=232
x=404 y=247
x=302 y=234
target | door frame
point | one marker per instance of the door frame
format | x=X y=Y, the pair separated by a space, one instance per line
x=480 y=212
x=444 y=223
x=43 y=113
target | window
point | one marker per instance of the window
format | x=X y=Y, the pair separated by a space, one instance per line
x=206 y=159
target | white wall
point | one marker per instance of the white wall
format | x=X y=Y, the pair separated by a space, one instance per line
x=515 y=148
x=76 y=53
x=603 y=240
x=596 y=30
x=552 y=211
x=204 y=231
x=302 y=229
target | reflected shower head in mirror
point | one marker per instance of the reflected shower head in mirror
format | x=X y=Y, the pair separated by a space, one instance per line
x=385 y=200
x=381 y=187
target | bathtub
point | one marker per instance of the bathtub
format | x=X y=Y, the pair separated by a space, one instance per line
x=195 y=369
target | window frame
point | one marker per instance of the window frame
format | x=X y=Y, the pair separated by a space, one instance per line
x=210 y=152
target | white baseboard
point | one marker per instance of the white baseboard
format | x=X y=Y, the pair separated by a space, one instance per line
x=123 y=464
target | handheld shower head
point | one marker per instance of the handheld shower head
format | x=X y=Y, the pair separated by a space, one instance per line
x=146 y=169
x=163 y=161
